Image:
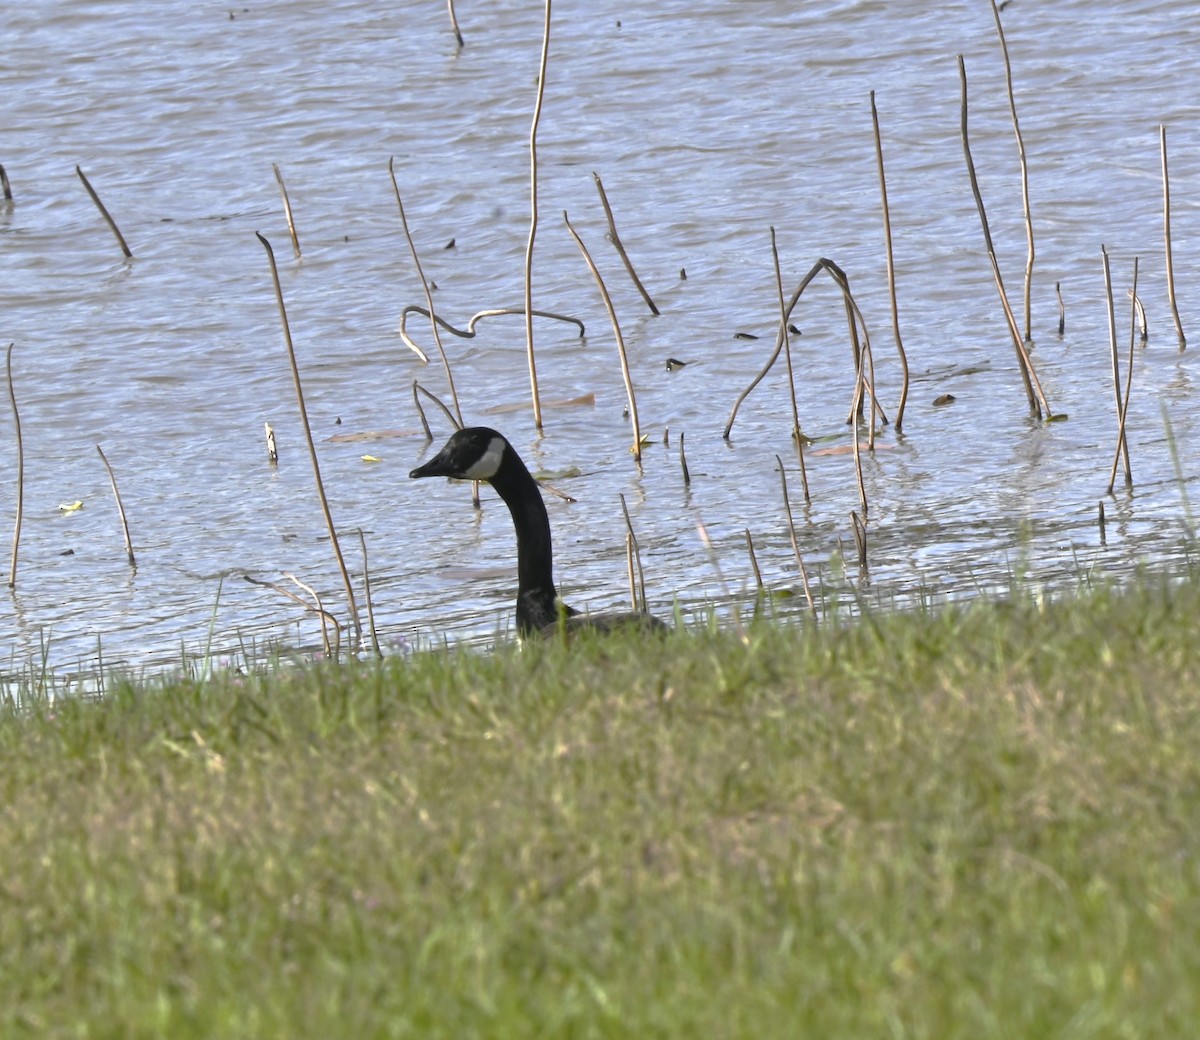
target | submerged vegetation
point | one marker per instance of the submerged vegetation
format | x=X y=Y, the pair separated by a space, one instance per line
x=975 y=821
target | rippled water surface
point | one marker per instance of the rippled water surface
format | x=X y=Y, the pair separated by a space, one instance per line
x=709 y=124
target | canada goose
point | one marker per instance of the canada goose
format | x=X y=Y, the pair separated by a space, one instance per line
x=480 y=453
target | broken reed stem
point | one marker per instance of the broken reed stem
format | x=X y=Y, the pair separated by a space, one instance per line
x=633 y=596
x=1162 y=137
x=639 y=591
x=1012 y=107
x=455 y=422
x=687 y=477
x=458 y=36
x=112 y=478
x=362 y=541
x=743 y=638
x=612 y=317
x=1062 y=311
x=469 y=332
x=615 y=239
x=112 y=224
x=12 y=397
x=272 y=450
x=421 y=411
x=308 y=607
x=428 y=293
x=287 y=210
x=860 y=540
x=312 y=448
x=1037 y=401
x=533 y=220
x=839 y=277
x=1122 y=449
x=787 y=505
x=891 y=269
x=325 y=614
x=1139 y=311
x=754 y=563
x=797 y=435
x=5 y=187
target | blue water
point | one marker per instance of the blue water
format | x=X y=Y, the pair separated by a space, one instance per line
x=709 y=124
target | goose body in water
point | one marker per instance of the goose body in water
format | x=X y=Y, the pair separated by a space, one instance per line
x=480 y=453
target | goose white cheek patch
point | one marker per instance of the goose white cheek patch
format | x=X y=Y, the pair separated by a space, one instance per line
x=489 y=463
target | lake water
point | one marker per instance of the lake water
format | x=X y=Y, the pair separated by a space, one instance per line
x=709 y=123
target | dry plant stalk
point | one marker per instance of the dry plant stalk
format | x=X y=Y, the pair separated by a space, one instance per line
x=421 y=411
x=754 y=563
x=112 y=224
x=458 y=36
x=1162 y=137
x=1012 y=107
x=635 y=555
x=470 y=332
x=1122 y=449
x=533 y=220
x=860 y=539
x=1139 y=311
x=797 y=433
x=687 y=477
x=12 y=397
x=891 y=274
x=287 y=210
x=312 y=448
x=331 y=649
x=702 y=531
x=5 y=187
x=1033 y=387
x=112 y=477
x=362 y=541
x=1062 y=311
x=787 y=505
x=615 y=239
x=428 y=294
x=839 y=277
x=612 y=317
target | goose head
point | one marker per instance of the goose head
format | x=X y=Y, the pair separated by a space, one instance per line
x=476 y=453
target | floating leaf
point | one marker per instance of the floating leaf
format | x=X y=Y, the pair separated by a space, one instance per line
x=70 y=507
x=371 y=458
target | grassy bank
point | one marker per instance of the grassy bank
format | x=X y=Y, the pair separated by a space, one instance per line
x=976 y=823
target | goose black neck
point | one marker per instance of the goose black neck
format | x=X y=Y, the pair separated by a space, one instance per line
x=536 y=595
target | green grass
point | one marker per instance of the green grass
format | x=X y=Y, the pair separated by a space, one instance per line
x=978 y=822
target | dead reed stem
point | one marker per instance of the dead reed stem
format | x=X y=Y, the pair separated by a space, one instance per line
x=687 y=477
x=272 y=450
x=743 y=638
x=1037 y=400
x=1062 y=311
x=12 y=397
x=638 y=590
x=428 y=293
x=754 y=562
x=787 y=505
x=421 y=411
x=797 y=434
x=859 y=529
x=5 y=187
x=1122 y=449
x=325 y=615
x=112 y=477
x=839 y=277
x=320 y=611
x=450 y=416
x=1139 y=311
x=287 y=210
x=112 y=224
x=458 y=36
x=470 y=331
x=615 y=239
x=891 y=269
x=312 y=448
x=533 y=220
x=612 y=317
x=362 y=541
x=1162 y=137
x=1012 y=107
